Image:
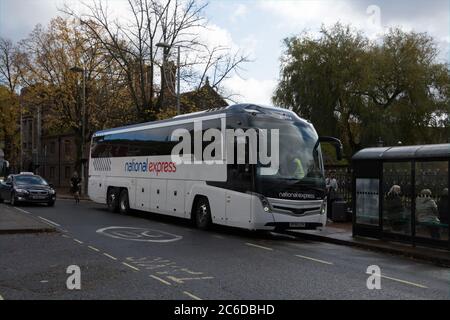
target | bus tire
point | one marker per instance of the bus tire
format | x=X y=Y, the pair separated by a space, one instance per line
x=202 y=214
x=124 y=203
x=112 y=201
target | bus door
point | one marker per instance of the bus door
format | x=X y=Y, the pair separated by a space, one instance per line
x=238 y=200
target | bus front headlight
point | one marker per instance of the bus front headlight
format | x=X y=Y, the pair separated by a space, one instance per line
x=267 y=207
x=265 y=203
x=323 y=207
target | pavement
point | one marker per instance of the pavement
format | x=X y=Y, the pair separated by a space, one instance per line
x=149 y=256
x=15 y=220
x=341 y=234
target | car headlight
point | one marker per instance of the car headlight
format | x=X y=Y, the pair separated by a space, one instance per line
x=21 y=191
x=52 y=191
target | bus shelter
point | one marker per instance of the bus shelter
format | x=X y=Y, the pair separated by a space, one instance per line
x=401 y=193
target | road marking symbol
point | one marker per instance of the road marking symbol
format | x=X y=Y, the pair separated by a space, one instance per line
x=139 y=234
x=130 y=266
x=50 y=221
x=93 y=248
x=109 y=256
x=405 y=282
x=160 y=280
x=78 y=241
x=313 y=259
x=191 y=295
x=1 y=298
x=258 y=246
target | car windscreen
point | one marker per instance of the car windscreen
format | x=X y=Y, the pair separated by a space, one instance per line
x=30 y=180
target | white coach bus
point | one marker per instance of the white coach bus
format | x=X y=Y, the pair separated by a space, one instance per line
x=132 y=168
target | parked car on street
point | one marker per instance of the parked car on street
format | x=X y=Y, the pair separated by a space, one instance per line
x=27 y=187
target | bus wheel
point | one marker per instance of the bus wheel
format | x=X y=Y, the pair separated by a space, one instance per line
x=124 y=204
x=202 y=214
x=112 y=202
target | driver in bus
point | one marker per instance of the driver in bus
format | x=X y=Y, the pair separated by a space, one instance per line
x=294 y=167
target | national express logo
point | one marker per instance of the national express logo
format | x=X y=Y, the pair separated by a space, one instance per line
x=148 y=166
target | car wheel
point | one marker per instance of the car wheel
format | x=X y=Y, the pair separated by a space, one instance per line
x=51 y=203
x=124 y=204
x=112 y=200
x=13 y=201
x=202 y=214
x=1 y=199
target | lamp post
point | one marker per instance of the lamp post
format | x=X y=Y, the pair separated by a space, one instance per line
x=83 y=121
x=167 y=47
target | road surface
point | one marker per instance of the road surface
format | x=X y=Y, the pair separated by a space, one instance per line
x=147 y=256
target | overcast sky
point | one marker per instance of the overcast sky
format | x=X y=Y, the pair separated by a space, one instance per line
x=258 y=27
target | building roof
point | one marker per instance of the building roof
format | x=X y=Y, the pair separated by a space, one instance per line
x=201 y=99
x=404 y=152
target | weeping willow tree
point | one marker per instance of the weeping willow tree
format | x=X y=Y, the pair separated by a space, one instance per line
x=362 y=90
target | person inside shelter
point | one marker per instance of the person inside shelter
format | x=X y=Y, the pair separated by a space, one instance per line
x=395 y=209
x=427 y=214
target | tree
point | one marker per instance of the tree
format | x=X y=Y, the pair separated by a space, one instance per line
x=9 y=120
x=10 y=73
x=49 y=83
x=361 y=90
x=133 y=45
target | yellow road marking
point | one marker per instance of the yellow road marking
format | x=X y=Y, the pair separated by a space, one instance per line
x=93 y=248
x=130 y=266
x=313 y=259
x=160 y=280
x=258 y=246
x=191 y=295
x=109 y=256
x=78 y=241
x=405 y=282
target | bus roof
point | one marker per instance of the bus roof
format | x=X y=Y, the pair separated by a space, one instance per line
x=237 y=108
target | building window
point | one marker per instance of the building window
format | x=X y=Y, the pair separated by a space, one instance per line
x=67 y=147
x=67 y=172
x=397 y=196
x=52 y=147
x=432 y=200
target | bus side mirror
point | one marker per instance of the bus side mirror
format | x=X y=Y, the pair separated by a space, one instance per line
x=336 y=143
